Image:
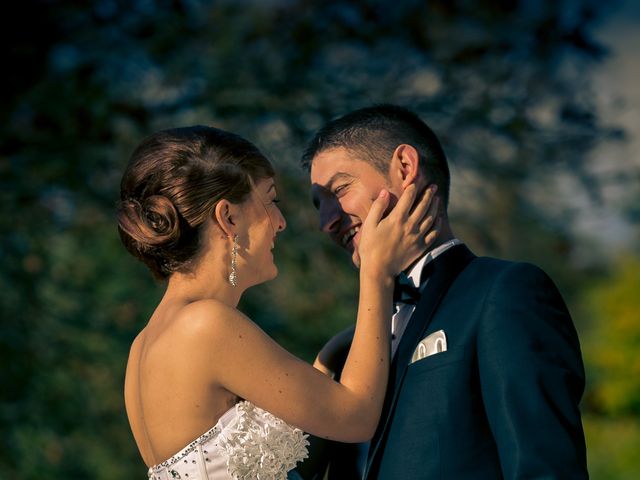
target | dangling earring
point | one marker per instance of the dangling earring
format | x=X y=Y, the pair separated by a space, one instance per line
x=233 y=276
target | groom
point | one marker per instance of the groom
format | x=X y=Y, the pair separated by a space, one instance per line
x=487 y=372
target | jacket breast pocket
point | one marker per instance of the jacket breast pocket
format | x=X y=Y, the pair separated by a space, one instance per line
x=438 y=360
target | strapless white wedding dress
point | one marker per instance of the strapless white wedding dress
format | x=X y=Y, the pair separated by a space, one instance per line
x=246 y=443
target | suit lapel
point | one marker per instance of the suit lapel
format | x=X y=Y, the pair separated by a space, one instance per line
x=446 y=268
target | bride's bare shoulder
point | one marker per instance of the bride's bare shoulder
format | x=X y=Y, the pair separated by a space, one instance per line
x=208 y=318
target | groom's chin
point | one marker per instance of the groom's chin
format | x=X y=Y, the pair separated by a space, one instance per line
x=355 y=258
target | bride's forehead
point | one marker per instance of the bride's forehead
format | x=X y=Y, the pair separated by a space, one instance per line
x=264 y=185
x=262 y=190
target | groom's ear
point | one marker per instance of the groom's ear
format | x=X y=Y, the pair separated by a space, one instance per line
x=405 y=165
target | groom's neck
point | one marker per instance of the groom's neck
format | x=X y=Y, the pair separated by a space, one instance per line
x=444 y=236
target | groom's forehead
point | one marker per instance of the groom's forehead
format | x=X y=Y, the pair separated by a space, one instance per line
x=332 y=165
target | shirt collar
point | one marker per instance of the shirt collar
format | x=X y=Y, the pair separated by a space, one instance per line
x=416 y=272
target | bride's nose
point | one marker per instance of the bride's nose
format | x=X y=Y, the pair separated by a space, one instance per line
x=281 y=222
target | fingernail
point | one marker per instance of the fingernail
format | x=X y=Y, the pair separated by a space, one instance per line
x=383 y=193
x=434 y=188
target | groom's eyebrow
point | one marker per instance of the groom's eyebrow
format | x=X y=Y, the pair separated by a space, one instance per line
x=336 y=177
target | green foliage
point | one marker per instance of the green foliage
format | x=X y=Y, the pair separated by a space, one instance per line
x=613 y=445
x=614 y=341
x=503 y=85
x=610 y=349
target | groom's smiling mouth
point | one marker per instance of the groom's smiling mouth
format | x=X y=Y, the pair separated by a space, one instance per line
x=349 y=235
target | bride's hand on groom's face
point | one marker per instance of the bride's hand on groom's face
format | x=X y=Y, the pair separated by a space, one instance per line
x=389 y=244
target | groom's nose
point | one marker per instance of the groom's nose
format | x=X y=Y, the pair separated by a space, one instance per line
x=329 y=217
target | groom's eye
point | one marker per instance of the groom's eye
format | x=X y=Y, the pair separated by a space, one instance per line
x=340 y=188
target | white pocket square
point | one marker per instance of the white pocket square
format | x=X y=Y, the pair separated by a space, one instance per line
x=433 y=343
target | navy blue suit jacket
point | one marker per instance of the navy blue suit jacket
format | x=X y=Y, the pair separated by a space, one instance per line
x=502 y=401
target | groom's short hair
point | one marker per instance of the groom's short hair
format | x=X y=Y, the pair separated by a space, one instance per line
x=372 y=134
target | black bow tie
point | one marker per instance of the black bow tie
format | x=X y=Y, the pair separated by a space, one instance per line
x=404 y=291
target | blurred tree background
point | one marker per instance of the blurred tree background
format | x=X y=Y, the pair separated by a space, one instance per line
x=506 y=84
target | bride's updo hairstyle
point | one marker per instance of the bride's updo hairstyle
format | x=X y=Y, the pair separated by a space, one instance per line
x=172 y=184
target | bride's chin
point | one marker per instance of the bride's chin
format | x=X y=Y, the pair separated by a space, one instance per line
x=267 y=275
x=274 y=273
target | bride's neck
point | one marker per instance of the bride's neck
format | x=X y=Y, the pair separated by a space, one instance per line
x=204 y=284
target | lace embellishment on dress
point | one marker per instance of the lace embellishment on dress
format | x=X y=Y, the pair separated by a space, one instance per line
x=260 y=445
x=253 y=443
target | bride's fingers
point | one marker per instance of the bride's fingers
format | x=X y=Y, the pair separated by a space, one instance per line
x=378 y=208
x=433 y=233
x=429 y=218
x=423 y=242
x=424 y=206
x=402 y=208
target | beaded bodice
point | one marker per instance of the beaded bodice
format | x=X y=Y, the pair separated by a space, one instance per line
x=247 y=442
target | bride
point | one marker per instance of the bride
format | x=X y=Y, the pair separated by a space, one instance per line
x=208 y=394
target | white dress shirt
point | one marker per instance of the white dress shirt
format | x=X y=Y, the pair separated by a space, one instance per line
x=404 y=311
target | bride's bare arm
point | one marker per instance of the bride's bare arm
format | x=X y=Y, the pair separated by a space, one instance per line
x=241 y=358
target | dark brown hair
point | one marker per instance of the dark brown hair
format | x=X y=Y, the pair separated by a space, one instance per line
x=172 y=184
x=372 y=134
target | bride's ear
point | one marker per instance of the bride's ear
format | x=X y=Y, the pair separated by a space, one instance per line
x=225 y=215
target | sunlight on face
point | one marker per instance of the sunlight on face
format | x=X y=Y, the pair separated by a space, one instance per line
x=265 y=222
x=343 y=190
